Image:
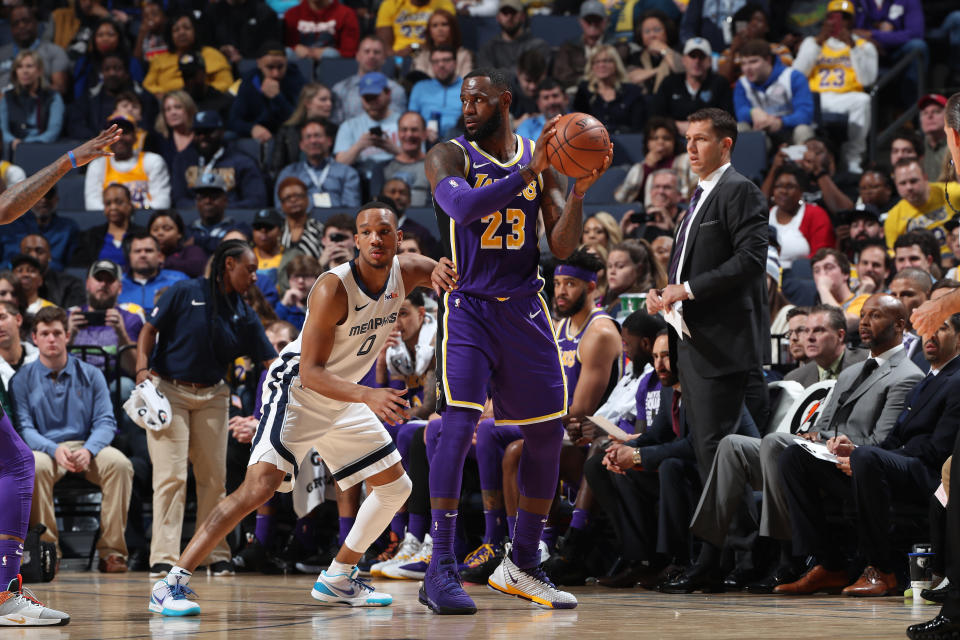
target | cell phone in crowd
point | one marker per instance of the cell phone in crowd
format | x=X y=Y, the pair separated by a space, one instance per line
x=795 y=151
x=640 y=217
x=95 y=318
x=376 y=131
x=338 y=237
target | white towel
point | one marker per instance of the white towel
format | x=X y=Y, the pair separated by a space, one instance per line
x=148 y=408
x=399 y=363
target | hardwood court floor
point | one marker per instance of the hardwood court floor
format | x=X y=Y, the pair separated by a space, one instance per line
x=257 y=607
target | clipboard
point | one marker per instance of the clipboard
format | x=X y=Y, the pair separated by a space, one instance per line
x=611 y=429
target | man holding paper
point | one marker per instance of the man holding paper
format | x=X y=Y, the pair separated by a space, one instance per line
x=905 y=467
x=717 y=281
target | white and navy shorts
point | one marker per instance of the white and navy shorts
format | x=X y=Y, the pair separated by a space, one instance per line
x=349 y=437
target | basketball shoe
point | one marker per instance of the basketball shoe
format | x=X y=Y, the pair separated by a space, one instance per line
x=171 y=599
x=417 y=566
x=481 y=562
x=348 y=589
x=405 y=553
x=442 y=591
x=529 y=584
x=19 y=608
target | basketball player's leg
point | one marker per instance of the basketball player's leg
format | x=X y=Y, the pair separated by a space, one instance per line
x=16 y=492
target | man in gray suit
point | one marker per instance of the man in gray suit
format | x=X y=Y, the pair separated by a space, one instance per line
x=864 y=406
x=824 y=345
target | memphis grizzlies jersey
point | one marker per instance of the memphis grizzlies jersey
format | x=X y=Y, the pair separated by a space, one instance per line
x=498 y=255
x=833 y=71
x=370 y=319
x=570 y=353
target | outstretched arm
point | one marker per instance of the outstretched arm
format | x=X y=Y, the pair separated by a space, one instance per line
x=417 y=270
x=18 y=199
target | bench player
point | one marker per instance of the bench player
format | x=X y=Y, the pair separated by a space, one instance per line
x=311 y=399
x=489 y=186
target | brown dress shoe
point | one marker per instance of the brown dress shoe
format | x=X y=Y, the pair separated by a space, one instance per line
x=114 y=563
x=872 y=582
x=816 y=579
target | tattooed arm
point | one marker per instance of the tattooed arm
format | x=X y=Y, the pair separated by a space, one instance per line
x=19 y=198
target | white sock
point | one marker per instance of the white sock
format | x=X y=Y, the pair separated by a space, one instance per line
x=339 y=568
x=178 y=574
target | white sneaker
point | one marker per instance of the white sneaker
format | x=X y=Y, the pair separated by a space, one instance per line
x=529 y=584
x=416 y=567
x=408 y=549
x=171 y=599
x=349 y=590
x=19 y=608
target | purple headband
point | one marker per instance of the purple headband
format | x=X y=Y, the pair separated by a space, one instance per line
x=575 y=272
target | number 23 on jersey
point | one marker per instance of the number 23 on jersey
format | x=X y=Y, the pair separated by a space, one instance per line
x=512 y=237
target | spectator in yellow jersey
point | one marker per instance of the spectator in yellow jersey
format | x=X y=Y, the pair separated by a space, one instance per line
x=143 y=173
x=922 y=206
x=402 y=24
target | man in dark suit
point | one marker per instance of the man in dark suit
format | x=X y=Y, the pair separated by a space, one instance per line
x=905 y=467
x=824 y=345
x=717 y=275
x=912 y=287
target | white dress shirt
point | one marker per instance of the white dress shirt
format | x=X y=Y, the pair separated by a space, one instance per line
x=706 y=186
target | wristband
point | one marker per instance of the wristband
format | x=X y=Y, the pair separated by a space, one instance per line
x=141 y=369
x=73 y=159
x=577 y=195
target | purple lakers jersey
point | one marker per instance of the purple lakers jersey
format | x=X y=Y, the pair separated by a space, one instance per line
x=570 y=353
x=498 y=255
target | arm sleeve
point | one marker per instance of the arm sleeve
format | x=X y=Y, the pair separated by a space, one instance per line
x=158 y=181
x=103 y=425
x=865 y=60
x=741 y=105
x=802 y=102
x=465 y=204
x=20 y=394
x=93 y=185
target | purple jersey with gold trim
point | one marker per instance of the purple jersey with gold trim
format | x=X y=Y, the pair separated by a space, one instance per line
x=570 y=353
x=498 y=255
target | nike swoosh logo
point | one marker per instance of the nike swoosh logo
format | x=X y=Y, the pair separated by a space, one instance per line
x=534 y=315
x=477 y=166
x=510 y=575
x=356 y=308
x=345 y=594
x=450 y=515
x=197 y=303
x=20 y=621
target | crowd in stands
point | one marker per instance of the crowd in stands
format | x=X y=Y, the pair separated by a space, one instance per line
x=256 y=127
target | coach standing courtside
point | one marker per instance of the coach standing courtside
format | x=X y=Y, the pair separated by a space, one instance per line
x=926 y=319
x=717 y=273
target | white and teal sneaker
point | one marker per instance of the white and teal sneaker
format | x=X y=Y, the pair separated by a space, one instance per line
x=349 y=590
x=171 y=599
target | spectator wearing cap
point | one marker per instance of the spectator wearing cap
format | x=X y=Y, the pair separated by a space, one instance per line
x=65 y=415
x=698 y=87
x=103 y=321
x=88 y=111
x=183 y=36
x=329 y=183
x=14 y=351
x=60 y=288
x=371 y=56
x=408 y=165
x=28 y=271
x=503 y=51
x=267 y=95
x=300 y=232
x=437 y=99
x=105 y=241
x=25 y=34
x=371 y=136
x=402 y=24
x=570 y=59
x=840 y=66
x=242 y=178
x=210 y=229
x=931 y=108
x=143 y=173
x=859 y=228
x=267 y=224
x=771 y=97
x=61 y=232
x=922 y=205
x=29 y=111
x=197 y=85
x=317 y=29
x=144 y=276
x=167 y=228
x=239 y=26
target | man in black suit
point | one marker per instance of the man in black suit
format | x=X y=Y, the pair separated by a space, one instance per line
x=904 y=467
x=717 y=275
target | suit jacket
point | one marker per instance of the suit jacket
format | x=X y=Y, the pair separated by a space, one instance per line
x=808 y=374
x=725 y=263
x=927 y=427
x=877 y=402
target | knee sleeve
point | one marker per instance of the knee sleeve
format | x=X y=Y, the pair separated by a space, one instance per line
x=376 y=512
x=394 y=494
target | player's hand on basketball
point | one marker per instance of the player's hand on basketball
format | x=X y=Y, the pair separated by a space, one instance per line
x=97 y=147
x=389 y=404
x=539 y=162
x=582 y=184
x=444 y=276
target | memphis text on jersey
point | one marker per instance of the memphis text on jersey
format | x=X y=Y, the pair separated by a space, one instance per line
x=373 y=324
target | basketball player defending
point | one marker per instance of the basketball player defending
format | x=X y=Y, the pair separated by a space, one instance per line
x=495 y=329
x=311 y=400
x=18 y=608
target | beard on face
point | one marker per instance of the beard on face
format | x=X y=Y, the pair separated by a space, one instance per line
x=101 y=302
x=486 y=129
x=575 y=306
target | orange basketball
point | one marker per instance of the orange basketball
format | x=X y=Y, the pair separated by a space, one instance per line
x=579 y=146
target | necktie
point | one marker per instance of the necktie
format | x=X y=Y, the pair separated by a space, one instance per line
x=675 y=413
x=844 y=410
x=914 y=396
x=682 y=235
